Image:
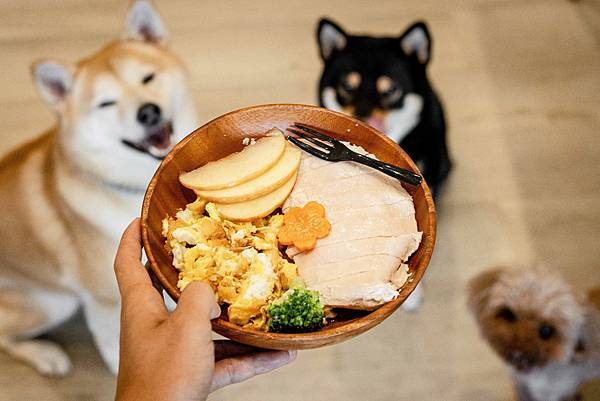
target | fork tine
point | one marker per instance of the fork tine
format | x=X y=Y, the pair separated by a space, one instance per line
x=315 y=133
x=317 y=142
x=306 y=147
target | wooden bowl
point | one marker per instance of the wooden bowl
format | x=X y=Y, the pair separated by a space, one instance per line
x=222 y=136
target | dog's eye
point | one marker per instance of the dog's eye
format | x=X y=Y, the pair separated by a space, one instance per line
x=350 y=82
x=506 y=314
x=391 y=90
x=387 y=87
x=347 y=87
x=107 y=103
x=148 y=78
x=546 y=332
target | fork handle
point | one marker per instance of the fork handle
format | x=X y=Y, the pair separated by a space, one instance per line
x=393 y=171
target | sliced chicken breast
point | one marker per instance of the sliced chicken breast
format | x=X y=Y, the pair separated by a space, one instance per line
x=400 y=247
x=360 y=264
x=364 y=290
x=343 y=194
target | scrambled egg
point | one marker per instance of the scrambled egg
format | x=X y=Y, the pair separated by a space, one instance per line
x=241 y=261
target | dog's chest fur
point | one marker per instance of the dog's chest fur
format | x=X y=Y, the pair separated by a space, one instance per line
x=106 y=207
x=553 y=382
x=64 y=221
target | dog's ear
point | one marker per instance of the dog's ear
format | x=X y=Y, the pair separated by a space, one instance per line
x=54 y=81
x=331 y=38
x=144 y=23
x=416 y=42
x=479 y=287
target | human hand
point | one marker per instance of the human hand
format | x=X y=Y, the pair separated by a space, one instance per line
x=172 y=356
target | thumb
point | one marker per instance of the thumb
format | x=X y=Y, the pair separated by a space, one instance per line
x=197 y=303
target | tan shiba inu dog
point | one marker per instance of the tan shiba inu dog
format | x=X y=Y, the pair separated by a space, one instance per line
x=66 y=197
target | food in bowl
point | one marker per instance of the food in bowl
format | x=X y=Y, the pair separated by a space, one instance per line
x=362 y=263
x=234 y=242
x=302 y=226
x=238 y=167
x=284 y=169
x=240 y=260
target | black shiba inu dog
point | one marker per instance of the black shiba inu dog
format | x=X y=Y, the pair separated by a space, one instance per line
x=383 y=81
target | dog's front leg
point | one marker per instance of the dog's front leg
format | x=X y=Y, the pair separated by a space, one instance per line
x=27 y=310
x=414 y=300
x=103 y=319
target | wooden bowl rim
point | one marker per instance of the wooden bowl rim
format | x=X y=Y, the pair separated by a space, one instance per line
x=359 y=324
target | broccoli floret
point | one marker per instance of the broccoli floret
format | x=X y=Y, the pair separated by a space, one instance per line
x=297 y=311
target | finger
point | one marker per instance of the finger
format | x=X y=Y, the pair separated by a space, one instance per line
x=235 y=370
x=138 y=296
x=128 y=258
x=227 y=349
x=197 y=303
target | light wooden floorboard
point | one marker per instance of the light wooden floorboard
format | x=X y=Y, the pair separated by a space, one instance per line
x=521 y=84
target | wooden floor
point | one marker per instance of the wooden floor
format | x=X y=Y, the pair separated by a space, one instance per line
x=521 y=84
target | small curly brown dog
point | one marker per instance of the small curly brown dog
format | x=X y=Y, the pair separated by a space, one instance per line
x=537 y=324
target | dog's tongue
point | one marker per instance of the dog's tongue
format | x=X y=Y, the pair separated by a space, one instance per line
x=377 y=123
x=162 y=138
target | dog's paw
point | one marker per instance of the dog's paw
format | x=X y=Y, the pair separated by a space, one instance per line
x=46 y=357
x=112 y=362
x=414 y=301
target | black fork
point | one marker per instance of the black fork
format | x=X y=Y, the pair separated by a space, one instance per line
x=327 y=148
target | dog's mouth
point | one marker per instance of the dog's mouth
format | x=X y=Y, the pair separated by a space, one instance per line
x=156 y=143
x=522 y=367
x=523 y=362
x=376 y=122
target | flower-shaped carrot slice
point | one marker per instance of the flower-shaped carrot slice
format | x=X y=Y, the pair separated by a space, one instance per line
x=303 y=226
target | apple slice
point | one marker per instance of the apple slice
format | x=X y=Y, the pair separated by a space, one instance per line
x=238 y=167
x=259 y=207
x=272 y=179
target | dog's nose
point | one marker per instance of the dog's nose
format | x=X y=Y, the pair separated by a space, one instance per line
x=515 y=355
x=519 y=359
x=149 y=115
